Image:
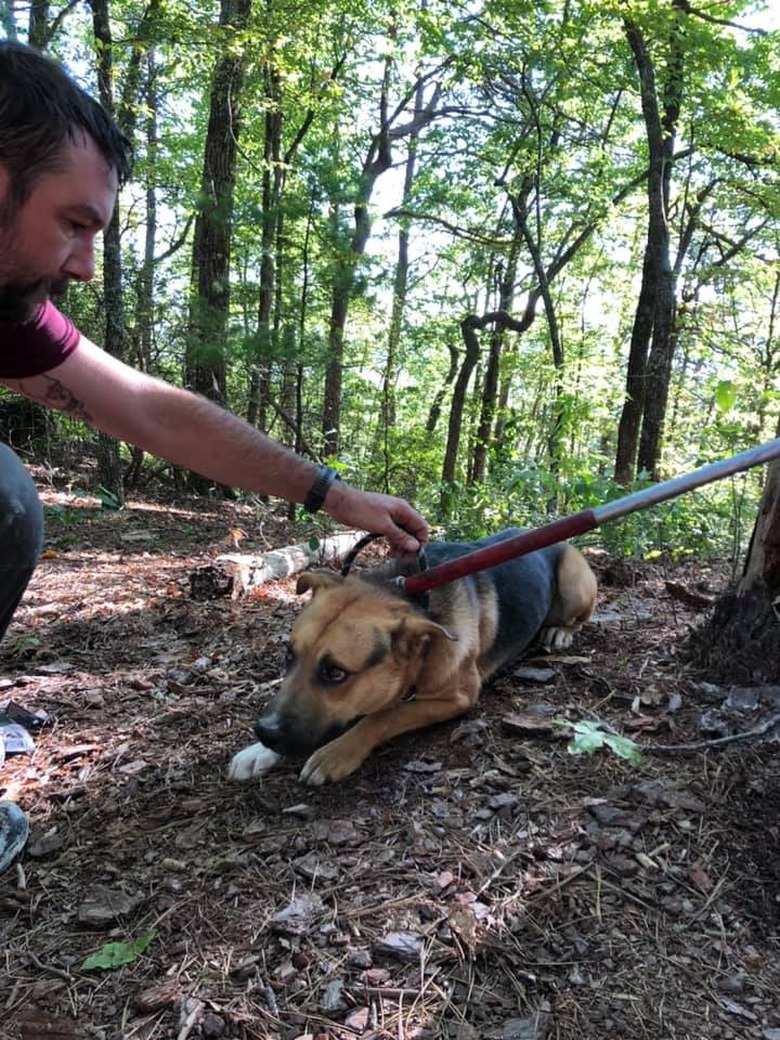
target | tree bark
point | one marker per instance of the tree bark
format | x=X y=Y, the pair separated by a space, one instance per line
x=379 y=158
x=741 y=642
x=652 y=337
x=234 y=574
x=115 y=329
x=471 y=341
x=271 y=197
x=210 y=302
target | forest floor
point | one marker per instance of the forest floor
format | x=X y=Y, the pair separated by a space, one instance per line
x=476 y=880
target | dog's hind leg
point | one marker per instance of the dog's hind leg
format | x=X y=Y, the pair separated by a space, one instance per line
x=573 y=601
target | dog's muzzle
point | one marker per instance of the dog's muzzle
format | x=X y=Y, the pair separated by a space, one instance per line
x=291 y=738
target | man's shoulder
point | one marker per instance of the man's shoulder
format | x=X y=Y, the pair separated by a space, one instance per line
x=32 y=347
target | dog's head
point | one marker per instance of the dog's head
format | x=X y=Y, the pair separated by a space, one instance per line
x=355 y=649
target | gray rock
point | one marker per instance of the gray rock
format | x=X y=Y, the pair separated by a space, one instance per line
x=14 y=830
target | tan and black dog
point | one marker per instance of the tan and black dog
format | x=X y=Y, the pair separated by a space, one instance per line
x=367 y=663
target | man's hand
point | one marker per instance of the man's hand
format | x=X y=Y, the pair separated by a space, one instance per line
x=404 y=528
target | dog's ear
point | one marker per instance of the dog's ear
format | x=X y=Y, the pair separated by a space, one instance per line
x=417 y=631
x=317 y=580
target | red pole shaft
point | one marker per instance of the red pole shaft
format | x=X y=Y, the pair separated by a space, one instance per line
x=578 y=523
x=492 y=555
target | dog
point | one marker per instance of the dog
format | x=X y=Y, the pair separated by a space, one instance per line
x=367 y=663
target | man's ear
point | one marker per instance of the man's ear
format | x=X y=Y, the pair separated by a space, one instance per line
x=317 y=580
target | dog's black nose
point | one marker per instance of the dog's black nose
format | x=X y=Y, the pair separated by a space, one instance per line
x=269 y=732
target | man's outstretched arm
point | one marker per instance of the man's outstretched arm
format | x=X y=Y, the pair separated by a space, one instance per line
x=197 y=434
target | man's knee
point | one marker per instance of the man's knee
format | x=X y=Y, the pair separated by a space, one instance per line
x=21 y=515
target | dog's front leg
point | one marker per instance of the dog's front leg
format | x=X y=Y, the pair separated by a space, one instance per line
x=252 y=762
x=346 y=753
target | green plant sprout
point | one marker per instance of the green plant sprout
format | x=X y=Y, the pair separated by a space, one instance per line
x=115 y=954
x=590 y=737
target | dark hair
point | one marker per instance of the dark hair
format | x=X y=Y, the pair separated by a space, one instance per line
x=41 y=109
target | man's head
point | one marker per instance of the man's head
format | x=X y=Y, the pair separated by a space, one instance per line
x=61 y=161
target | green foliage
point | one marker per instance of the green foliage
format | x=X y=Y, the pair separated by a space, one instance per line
x=590 y=737
x=116 y=954
x=108 y=500
x=19 y=647
x=713 y=522
x=534 y=112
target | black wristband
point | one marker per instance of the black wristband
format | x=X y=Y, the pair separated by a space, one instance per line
x=319 y=489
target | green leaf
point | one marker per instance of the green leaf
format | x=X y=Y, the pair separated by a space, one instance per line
x=725 y=395
x=314 y=543
x=108 y=500
x=590 y=737
x=115 y=954
x=624 y=747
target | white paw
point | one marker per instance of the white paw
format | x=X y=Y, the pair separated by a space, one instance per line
x=253 y=761
x=557 y=638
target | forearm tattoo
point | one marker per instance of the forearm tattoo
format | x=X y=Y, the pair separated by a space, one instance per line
x=58 y=396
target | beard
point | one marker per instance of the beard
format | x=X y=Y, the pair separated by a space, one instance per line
x=22 y=289
x=20 y=301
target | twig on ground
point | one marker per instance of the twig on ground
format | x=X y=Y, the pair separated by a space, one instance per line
x=190 y=1020
x=703 y=745
x=48 y=969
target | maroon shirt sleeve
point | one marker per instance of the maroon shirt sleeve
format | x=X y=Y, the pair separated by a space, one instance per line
x=37 y=345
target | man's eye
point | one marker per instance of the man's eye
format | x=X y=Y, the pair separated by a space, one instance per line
x=332 y=674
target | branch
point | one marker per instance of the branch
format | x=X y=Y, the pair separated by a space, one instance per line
x=178 y=243
x=685 y=5
x=663 y=749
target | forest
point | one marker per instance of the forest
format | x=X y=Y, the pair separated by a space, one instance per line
x=506 y=260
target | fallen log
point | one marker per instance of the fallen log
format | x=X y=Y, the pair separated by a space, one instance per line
x=234 y=574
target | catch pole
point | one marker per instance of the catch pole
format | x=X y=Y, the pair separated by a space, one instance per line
x=586 y=520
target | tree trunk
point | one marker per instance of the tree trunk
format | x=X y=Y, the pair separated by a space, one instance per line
x=449 y=379
x=652 y=337
x=109 y=464
x=379 y=158
x=487 y=406
x=210 y=301
x=143 y=336
x=38 y=33
x=387 y=415
x=741 y=642
x=271 y=198
x=471 y=341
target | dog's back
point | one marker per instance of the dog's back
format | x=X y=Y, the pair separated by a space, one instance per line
x=516 y=600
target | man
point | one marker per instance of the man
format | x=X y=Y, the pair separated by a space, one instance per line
x=62 y=161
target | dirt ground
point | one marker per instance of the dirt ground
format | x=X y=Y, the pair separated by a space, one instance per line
x=473 y=881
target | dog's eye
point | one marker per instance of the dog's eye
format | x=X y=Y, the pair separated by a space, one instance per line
x=331 y=674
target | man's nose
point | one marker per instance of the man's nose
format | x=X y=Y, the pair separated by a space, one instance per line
x=80 y=265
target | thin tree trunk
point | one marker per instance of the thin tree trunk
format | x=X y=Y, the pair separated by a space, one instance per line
x=38 y=26
x=652 y=338
x=471 y=340
x=144 y=306
x=449 y=379
x=115 y=330
x=270 y=194
x=206 y=362
x=378 y=159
